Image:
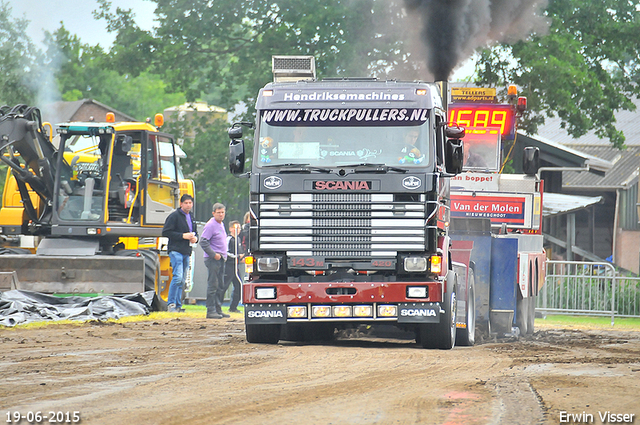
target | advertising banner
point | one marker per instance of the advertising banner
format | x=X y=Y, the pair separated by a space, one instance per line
x=514 y=209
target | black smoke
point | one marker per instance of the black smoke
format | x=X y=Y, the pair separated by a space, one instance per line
x=453 y=29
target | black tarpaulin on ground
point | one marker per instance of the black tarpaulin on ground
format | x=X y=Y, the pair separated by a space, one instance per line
x=19 y=307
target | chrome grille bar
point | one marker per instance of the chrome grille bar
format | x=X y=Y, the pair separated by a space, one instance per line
x=341 y=225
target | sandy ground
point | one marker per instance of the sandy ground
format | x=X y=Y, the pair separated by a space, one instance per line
x=189 y=370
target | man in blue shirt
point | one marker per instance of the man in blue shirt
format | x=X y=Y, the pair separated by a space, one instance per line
x=181 y=230
x=214 y=245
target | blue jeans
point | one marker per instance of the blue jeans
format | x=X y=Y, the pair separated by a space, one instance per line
x=180 y=266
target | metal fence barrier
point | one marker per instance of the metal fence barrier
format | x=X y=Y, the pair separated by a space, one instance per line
x=578 y=287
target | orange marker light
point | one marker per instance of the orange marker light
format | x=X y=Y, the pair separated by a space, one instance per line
x=111 y=117
x=512 y=90
x=436 y=264
x=158 y=120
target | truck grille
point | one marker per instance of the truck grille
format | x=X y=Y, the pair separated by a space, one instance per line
x=341 y=225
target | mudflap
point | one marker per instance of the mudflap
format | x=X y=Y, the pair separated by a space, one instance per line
x=504 y=278
x=98 y=274
x=263 y=314
x=419 y=313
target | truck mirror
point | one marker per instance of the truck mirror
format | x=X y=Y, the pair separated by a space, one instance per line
x=454 y=132
x=236 y=155
x=531 y=160
x=235 y=133
x=454 y=156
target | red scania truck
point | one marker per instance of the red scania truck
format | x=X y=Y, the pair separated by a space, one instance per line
x=350 y=210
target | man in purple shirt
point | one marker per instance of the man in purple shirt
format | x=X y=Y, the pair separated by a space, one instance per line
x=214 y=244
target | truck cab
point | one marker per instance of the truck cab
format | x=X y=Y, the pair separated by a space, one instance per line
x=350 y=206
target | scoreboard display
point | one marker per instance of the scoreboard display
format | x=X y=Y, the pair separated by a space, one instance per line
x=485 y=116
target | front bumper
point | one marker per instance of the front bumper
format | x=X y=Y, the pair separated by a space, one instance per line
x=407 y=312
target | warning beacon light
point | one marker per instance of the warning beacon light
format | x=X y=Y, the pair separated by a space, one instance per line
x=521 y=106
x=158 y=120
x=512 y=94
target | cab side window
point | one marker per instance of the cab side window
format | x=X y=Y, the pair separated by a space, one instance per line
x=153 y=158
x=439 y=122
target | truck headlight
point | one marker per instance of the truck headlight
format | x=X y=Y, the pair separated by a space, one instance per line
x=265 y=293
x=387 y=311
x=268 y=264
x=321 y=311
x=297 y=312
x=363 y=310
x=415 y=264
x=417 y=292
x=341 y=311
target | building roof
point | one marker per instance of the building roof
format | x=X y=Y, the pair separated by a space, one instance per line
x=197 y=107
x=60 y=112
x=560 y=155
x=623 y=174
x=559 y=203
x=625 y=162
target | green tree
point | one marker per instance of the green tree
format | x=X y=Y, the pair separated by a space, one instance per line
x=17 y=58
x=206 y=143
x=84 y=71
x=17 y=72
x=221 y=51
x=583 y=70
x=224 y=48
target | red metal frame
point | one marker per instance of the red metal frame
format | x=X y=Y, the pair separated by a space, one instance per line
x=366 y=292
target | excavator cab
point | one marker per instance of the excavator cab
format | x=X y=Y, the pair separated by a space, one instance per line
x=93 y=199
x=116 y=178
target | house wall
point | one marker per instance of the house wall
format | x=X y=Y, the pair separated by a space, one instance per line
x=594 y=229
x=628 y=250
x=601 y=226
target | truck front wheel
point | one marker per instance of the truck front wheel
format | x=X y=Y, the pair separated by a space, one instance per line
x=467 y=336
x=263 y=334
x=522 y=314
x=441 y=335
x=532 y=315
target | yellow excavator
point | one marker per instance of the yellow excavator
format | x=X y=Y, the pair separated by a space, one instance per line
x=92 y=200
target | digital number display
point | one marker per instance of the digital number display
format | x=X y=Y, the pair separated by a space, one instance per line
x=476 y=115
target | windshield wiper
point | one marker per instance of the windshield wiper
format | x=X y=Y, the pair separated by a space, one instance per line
x=293 y=167
x=289 y=164
x=375 y=168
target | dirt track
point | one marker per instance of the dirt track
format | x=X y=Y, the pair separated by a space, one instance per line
x=190 y=370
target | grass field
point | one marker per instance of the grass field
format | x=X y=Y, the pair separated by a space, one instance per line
x=550 y=321
x=190 y=311
x=588 y=322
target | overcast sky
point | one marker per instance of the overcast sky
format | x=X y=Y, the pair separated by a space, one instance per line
x=77 y=17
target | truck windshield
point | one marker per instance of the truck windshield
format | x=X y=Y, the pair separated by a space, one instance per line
x=320 y=138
